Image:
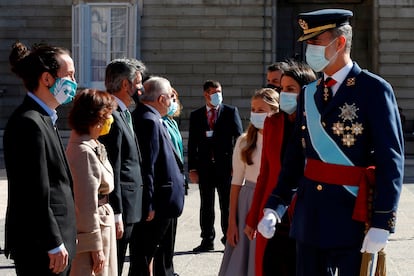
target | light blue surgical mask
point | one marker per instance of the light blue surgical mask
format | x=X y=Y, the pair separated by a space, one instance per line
x=64 y=90
x=315 y=56
x=288 y=102
x=172 y=108
x=257 y=119
x=216 y=98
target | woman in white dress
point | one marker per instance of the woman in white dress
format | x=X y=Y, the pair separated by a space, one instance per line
x=239 y=252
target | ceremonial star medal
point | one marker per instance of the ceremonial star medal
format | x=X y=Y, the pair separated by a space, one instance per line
x=348 y=140
x=348 y=129
x=338 y=128
x=348 y=112
x=357 y=128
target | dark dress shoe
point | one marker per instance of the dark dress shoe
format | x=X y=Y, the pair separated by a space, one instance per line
x=204 y=247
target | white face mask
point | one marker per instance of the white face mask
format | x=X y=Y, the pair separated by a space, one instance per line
x=257 y=119
x=216 y=98
x=287 y=102
x=315 y=56
x=172 y=108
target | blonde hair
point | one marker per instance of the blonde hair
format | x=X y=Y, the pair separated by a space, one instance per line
x=271 y=97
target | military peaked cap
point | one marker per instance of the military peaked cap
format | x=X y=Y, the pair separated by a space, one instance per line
x=316 y=22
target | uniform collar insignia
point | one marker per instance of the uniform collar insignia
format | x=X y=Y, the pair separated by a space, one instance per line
x=303 y=24
x=350 y=81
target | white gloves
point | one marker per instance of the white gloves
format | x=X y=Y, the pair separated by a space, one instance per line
x=267 y=225
x=375 y=240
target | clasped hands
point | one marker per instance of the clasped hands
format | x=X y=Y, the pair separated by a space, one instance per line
x=375 y=239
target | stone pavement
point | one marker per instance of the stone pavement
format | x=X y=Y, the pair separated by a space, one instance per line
x=400 y=261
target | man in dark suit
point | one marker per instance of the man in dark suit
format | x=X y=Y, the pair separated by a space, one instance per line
x=123 y=79
x=214 y=129
x=162 y=171
x=40 y=219
x=347 y=140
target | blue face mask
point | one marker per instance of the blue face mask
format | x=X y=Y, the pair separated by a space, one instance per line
x=287 y=102
x=257 y=119
x=64 y=90
x=315 y=56
x=172 y=108
x=216 y=98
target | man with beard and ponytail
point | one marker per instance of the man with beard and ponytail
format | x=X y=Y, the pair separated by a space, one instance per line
x=347 y=140
x=123 y=79
x=40 y=220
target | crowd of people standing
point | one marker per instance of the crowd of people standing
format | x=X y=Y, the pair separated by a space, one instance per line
x=121 y=181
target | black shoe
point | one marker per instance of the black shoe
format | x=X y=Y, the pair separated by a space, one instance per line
x=204 y=247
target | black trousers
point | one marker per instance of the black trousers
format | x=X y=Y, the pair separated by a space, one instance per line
x=163 y=260
x=280 y=252
x=122 y=245
x=211 y=178
x=148 y=239
x=29 y=263
x=316 y=261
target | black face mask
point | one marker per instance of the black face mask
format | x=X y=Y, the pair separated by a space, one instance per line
x=136 y=96
x=269 y=85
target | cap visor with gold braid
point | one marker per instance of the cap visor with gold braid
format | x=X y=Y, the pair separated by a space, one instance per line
x=316 y=22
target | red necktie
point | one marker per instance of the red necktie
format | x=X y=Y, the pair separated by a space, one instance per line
x=211 y=118
x=327 y=90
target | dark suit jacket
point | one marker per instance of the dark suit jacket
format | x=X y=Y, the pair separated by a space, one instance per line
x=125 y=157
x=162 y=169
x=201 y=148
x=40 y=212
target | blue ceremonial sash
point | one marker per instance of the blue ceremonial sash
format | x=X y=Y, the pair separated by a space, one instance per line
x=326 y=148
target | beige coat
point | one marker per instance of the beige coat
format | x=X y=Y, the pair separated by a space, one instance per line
x=92 y=175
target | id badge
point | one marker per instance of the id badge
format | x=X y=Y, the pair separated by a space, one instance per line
x=209 y=133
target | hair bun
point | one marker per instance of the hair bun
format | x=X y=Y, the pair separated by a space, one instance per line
x=19 y=52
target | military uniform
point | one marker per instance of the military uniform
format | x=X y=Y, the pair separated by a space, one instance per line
x=359 y=127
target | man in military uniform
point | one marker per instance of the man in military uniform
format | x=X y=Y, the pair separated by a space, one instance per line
x=347 y=136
